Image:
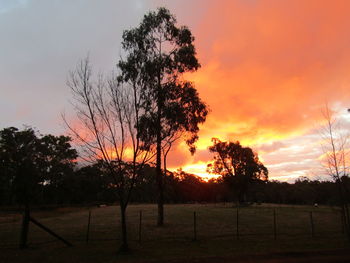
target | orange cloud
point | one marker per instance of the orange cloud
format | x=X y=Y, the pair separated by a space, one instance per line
x=268 y=67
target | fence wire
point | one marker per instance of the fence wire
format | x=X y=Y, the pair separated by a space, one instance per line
x=212 y=222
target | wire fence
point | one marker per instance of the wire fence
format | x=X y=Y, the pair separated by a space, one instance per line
x=182 y=222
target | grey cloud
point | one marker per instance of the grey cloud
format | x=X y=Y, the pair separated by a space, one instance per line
x=42 y=40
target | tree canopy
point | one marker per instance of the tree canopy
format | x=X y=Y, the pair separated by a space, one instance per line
x=29 y=160
x=157 y=54
x=238 y=165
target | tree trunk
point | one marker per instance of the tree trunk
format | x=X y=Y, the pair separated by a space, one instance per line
x=25 y=228
x=160 y=221
x=124 y=246
x=345 y=210
x=344 y=207
x=159 y=175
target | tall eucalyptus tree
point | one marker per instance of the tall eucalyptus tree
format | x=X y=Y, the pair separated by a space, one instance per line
x=157 y=54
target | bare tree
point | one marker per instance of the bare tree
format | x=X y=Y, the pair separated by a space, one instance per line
x=336 y=159
x=108 y=130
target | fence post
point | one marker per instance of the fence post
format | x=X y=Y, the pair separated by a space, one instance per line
x=312 y=225
x=194 y=226
x=25 y=228
x=88 y=227
x=274 y=224
x=48 y=230
x=140 y=225
x=237 y=223
x=342 y=222
x=14 y=232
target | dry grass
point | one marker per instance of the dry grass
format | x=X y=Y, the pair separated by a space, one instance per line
x=216 y=233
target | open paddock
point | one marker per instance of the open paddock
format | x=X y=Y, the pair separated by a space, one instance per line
x=272 y=232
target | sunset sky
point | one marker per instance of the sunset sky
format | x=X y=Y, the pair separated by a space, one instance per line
x=268 y=69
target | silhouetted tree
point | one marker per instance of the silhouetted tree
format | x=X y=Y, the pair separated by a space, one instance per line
x=157 y=54
x=19 y=155
x=88 y=185
x=109 y=116
x=238 y=166
x=28 y=161
x=58 y=162
x=336 y=159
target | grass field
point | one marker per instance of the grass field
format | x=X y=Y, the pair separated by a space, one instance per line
x=217 y=239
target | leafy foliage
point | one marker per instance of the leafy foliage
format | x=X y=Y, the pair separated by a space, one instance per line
x=27 y=161
x=157 y=54
x=238 y=165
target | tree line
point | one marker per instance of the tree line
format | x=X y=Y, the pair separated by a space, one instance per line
x=44 y=169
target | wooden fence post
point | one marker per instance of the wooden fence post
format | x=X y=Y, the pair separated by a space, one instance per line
x=88 y=227
x=50 y=231
x=194 y=226
x=274 y=224
x=342 y=222
x=140 y=226
x=25 y=228
x=312 y=225
x=237 y=223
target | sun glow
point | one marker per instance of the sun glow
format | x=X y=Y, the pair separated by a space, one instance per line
x=199 y=169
